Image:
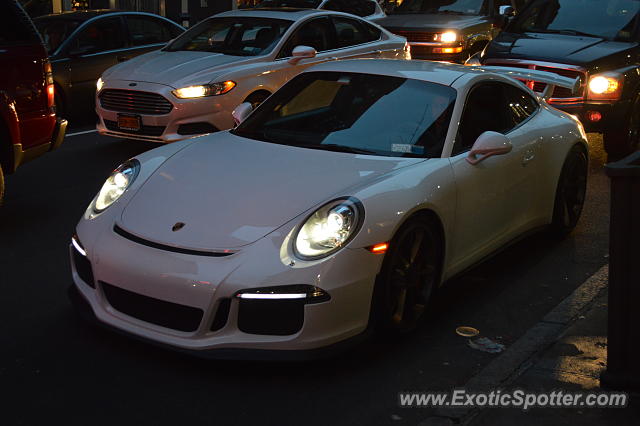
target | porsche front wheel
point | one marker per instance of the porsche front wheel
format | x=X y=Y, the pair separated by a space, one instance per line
x=409 y=274
x=570 y=193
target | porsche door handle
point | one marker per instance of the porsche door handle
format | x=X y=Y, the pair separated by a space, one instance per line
x=528 y=157
x=123 y=58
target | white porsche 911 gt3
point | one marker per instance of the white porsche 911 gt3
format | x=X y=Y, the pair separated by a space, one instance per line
x=336 y=206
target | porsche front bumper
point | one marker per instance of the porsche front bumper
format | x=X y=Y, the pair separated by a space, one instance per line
x=188 y=302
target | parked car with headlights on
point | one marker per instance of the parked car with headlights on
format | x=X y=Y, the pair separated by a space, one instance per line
x=83 y=44
x=447 y=31
x=191 y=86
x=596 y=41
x=337 y=206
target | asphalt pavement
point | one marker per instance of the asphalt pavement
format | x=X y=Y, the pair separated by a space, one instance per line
x=54 y=368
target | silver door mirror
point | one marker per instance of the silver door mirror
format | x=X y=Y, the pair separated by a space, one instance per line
x=487 y=145
x=241 y=112
x=507 y=11
x=301 y=52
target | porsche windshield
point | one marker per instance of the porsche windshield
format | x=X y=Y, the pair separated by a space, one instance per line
x=458 y=7
x=356 y=113
x=237 y=36
x=610 y=19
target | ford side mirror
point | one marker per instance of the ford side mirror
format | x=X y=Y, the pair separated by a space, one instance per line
x=487 y=145
x=301 y=52
x=241 y=112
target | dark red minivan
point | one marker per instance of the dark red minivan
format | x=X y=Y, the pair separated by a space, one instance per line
x=28 y=123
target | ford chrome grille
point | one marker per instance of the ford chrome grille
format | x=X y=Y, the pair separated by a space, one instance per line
x=133 y=101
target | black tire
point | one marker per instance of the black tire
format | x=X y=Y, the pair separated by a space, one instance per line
x=570 y=192
x=256 y=98
x=409 y=274
x=620 y=142
x=1 y=185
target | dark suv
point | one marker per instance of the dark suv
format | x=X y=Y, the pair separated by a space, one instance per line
x=596 y=40
x=447 y=30
x=28 y=124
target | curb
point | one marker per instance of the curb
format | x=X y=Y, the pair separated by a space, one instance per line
x=521 y=355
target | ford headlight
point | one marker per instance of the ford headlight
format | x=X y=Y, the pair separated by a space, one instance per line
x=99 y=84
x=328 y=229
x=213 y=89
x=120 y=179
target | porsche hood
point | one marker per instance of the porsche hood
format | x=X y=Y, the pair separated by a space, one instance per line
x=230 y=191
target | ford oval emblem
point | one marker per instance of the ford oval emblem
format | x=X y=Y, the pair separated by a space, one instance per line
x=178 y=226
x=133 y=84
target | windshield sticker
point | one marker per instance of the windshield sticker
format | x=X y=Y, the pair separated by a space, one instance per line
x=407 y=149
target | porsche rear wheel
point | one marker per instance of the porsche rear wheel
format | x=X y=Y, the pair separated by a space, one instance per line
x=570 y=193
x=409 y=274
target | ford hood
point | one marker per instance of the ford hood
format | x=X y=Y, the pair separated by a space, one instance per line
x=176 y=69
x=230 y=191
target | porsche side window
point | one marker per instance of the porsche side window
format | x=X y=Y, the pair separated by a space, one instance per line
x=521 y=105
x=350 y=32
x=317 y=33
x=487 y=108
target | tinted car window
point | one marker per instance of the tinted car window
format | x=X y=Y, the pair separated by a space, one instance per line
x=15 y=26
x=486 y=109
x=613 y=19
x=146 y=30
x=355 y=7
x=521 y=104
x=350 y=32
x=99 y=36
x=317 y=33
x=54 y=32
x=361 y=113
x=232 y=36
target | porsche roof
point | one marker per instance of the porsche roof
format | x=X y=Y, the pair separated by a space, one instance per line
x=436 y=72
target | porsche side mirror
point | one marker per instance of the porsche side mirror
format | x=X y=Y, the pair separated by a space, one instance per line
x=241 y=112
x=487 y=145
x=301 y=52
x=506 y=11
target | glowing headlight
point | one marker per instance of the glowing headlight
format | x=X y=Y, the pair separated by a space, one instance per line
x=446 y=37
x=99 y=84
x=328 y=229
x=213 y=89
x=120 y=179
x=601 y=84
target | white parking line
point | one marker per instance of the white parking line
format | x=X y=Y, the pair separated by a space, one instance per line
x=80 y=133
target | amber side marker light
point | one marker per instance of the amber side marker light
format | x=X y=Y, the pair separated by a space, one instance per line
x=378 y=248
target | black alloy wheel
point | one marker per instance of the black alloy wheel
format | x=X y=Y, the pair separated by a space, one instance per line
x=410 y=273
x=571 y=192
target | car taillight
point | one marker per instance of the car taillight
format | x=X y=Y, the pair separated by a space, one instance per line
x=48 y=72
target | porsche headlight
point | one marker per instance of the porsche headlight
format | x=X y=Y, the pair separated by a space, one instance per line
x=120 y=179
x=99 y=84
x=328 y=229
x=213 y=89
